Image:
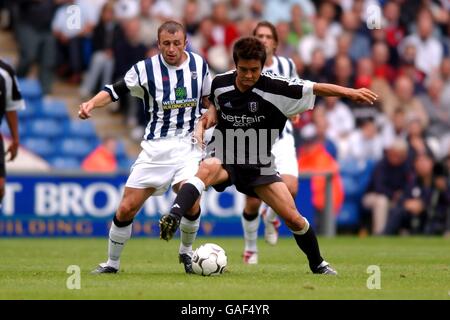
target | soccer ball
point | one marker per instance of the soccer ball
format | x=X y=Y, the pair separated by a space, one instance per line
x=209 y=260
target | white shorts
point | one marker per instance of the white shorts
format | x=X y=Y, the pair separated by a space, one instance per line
x=164 y=162
x=285 y=155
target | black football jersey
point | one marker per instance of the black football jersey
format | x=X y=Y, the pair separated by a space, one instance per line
x=249 y=122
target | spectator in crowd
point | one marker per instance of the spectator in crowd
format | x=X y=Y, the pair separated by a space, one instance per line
x=365 y=144
x=103 y=158
x=395 y=129
x=386 y=186
x=429 y=49
x=393 y=30
x=320 y=120
x=403 y=97
x=275 y=11
x=321 y=38
x=70 y=39
x=425 y=206
x=127 y=50
x=381 y=58
x=316 y=70
x=360 y=44
x=286 y=47
x=439 y=113
x=313 y=156
x=35 y=39
x=418 y=141
x=102 y=63
x=341 y=123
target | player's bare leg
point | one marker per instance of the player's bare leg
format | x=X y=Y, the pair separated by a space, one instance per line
x=250 y=225
x=270 y=217
x=277 y=196
x=121 y=226
x=210 y=172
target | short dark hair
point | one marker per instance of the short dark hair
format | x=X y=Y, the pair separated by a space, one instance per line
x=249 y=48
x=269 y=25
x=171 y=27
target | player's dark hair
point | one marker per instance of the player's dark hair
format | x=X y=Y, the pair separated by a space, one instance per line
x=171 y=27
x=272 y=28
x=249 y=48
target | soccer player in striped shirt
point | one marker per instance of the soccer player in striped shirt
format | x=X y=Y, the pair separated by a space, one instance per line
x=283 y=151
x=10 y=102
x=251 y=106
x=173 y=87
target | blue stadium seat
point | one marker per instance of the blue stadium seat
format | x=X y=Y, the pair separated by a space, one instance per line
x=120 y=151
x=124 y=162
x=349 y=215
x=30 y=88
x=64 y=163
x=80 y=129
x=75 y=147
x=40 y=146
x=48 y=128
x=29 y=111
x=54 y=109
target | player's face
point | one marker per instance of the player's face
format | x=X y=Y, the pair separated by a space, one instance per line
x=264 y=34
x=248 y=73
x=172 y=46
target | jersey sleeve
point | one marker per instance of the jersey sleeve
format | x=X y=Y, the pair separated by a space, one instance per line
x=13 y=96
x=306 y=100
x=134 y=79
x=130 y=83
x=207 y=80
x=290 y=96
x=292 y=69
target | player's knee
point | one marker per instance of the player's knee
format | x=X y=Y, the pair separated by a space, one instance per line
x=2 y=192
x=208 y=171
x=252 y=204
x=293 y=189
x=126 y=211
x=294 y=221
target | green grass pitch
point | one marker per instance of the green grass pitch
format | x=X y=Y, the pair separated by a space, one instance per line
x=411 y=268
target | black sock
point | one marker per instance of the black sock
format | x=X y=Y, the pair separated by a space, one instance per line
x=185 y=199
x=194 y=217
x=121 y=224
x=250 y=216
x=309 y=245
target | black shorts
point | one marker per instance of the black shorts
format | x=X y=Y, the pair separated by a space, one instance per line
x=2 y=158
x=246 y=178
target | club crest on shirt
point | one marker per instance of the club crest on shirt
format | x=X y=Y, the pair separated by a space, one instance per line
x=180 y=93
x=253 y=106
x=194 y=74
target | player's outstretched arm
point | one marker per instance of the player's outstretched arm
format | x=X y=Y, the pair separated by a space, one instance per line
x=362 y=95
x=100 y=100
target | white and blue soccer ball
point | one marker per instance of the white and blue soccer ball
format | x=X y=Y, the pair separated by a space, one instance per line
x=209 y=260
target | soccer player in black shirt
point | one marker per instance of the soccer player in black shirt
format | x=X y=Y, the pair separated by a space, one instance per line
x=250 y=103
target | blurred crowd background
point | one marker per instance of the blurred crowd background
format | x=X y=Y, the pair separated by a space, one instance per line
x=390 y=161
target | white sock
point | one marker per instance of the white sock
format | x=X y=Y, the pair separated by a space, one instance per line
x=188 y=232
x=270 y=214
x=304 y=230
x=117 y=239
x=250 y=233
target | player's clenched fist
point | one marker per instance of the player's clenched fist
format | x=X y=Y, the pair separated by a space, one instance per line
x=85 y=109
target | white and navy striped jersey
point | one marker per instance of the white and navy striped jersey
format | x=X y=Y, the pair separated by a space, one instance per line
x=283 y=67
x=10 y=96
x=171 y=95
